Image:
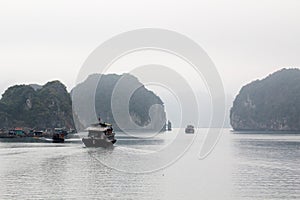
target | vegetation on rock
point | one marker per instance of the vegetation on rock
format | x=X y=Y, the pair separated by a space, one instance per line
x=50 y=106
x=47 y=107
x=272 y=103
x=140 y=102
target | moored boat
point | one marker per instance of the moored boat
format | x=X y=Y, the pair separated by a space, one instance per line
x=59 y=135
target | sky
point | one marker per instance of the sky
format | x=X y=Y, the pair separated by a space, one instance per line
x=42 y=41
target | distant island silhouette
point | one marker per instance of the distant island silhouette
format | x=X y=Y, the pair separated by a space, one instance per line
x=38 y=107
x=50 y=106
x=140 y=102
x=270 y=104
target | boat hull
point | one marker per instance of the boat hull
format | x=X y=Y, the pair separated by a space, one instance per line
x=58 y=140
x=189 y=131
x=98 y=142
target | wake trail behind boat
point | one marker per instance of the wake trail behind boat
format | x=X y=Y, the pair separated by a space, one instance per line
x=134 y=150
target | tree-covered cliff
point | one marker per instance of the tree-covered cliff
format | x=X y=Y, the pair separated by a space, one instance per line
x=272 y=103
x=43 y=107
x=139 y=104
x=50 y=106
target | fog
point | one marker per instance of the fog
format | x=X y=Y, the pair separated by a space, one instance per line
x=48 y=40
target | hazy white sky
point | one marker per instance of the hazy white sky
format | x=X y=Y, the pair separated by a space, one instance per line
x=46 y=40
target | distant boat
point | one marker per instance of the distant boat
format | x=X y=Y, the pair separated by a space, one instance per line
x=14 y=133
x=19 y=132
x=59 y=135
x=189 y=129
x=100 y=135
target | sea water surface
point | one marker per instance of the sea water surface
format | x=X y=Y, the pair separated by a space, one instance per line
x=242 y=166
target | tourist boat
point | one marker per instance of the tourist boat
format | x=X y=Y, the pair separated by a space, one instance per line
x=59 y=135
x=100 y=135
x=189 y=129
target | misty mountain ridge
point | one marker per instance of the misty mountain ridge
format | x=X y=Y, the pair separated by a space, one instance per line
x=99 y=88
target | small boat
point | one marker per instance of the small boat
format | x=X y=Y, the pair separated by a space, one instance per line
x=189 y=129
x=13 y=133
x=59 y=135
x=100 y=135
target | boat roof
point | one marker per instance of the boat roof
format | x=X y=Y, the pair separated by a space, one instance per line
x=58 y=129
x=98 y=128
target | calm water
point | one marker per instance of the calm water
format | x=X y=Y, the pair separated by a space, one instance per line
x=242 y=166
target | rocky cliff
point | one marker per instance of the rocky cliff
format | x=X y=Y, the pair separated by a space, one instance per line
x=139 y=105
x=272 y=103
x=48 y=106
